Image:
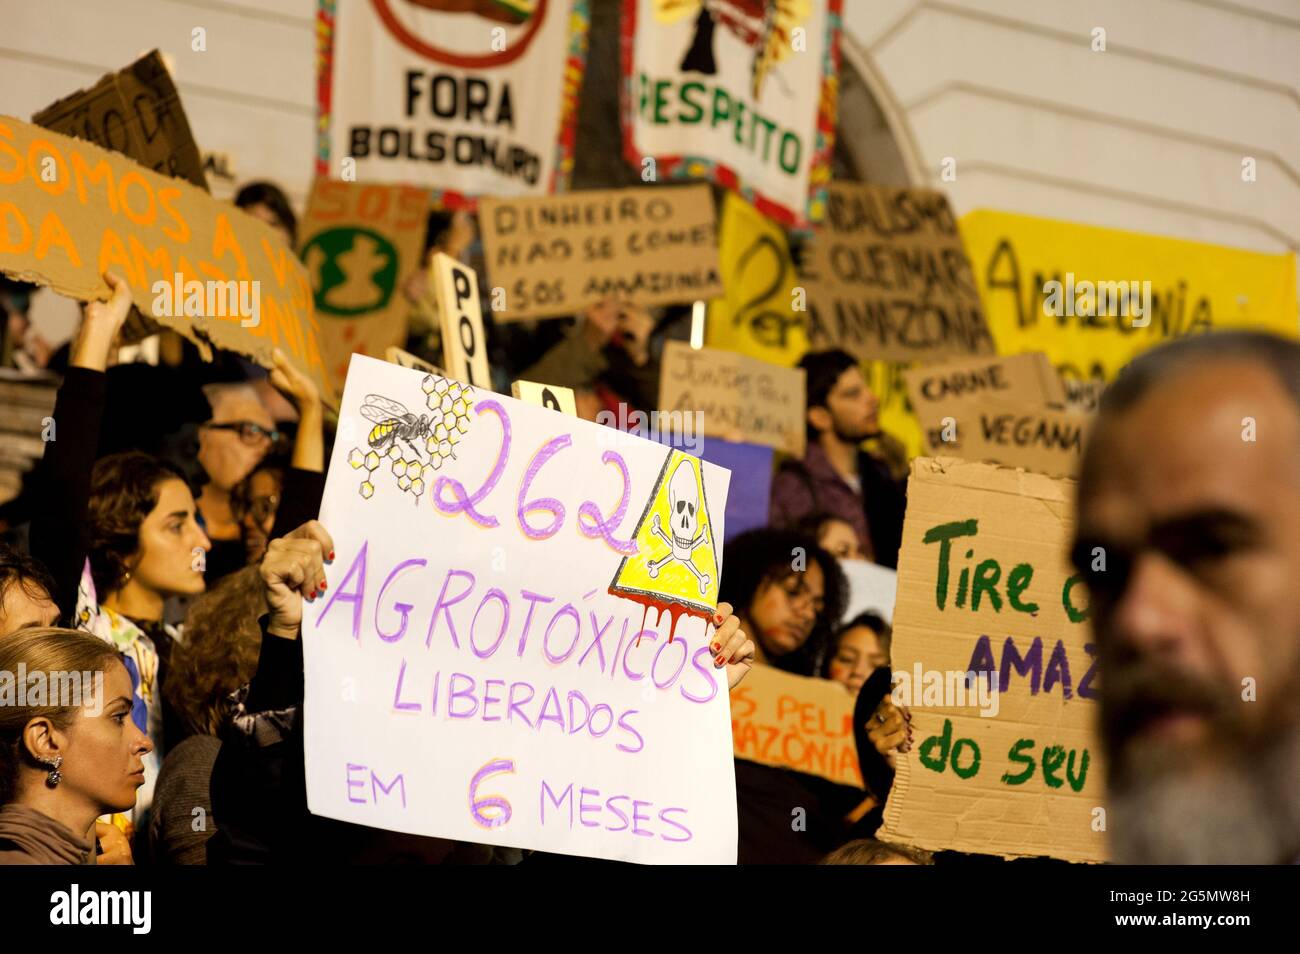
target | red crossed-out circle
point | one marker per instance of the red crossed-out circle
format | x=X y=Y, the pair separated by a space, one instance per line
x=412 y=42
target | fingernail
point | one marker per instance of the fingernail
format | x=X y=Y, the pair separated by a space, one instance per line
x=330 y=558
x=716 y=647
x=323 y=586
x=312 y=596
x=721 y=659
x=717 y=618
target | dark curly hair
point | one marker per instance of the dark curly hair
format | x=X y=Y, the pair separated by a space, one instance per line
x=25 y=572
x=764 y=555
x=123 y=491
x=219 y=652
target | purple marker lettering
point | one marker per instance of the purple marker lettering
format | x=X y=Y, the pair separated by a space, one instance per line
x=466 y=504
x=356 y=597
x=576 y=696
x=596 y=643
x=558 y=718
x=663 y=817
x=583 y=807
x=397 y=694
x=444 y=606
x=566 y=610
x=454 y=694
x=377 y=786
x=550 y=504
x=488 y=699
x=679 y=641
x=705 y=670
x=355 y=784
x=533 y=599
x=557 y=802
x=433 y=709
x=613 y=666
x=637 y=818
x=403 y=608
x=591 y=723
x=621 y=817
x=492 y=594
x=513 y=707
x=653 y=636
x=627 y=727
x=594 y=525
x=479 y=806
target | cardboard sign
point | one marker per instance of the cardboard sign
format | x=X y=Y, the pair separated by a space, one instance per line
x=464 y=345
x=137 y=112
x=1004 y=762
x=756 y=314
x=888 y=278
x=872 y=588
x=1027 y=378
x=360 y=241
x=796 y=723
x=217 y=275
x=742 y=93
x=405 y=359
x=501 y=691
x=1036 y=438
x=737 y=398
x=1078 y=292
x=473 y=98
x=555 y=256
x=546 y=395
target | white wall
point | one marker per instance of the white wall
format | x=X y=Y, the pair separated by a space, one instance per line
x=1147 y=136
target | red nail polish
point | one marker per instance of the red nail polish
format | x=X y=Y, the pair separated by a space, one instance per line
x=721 y=659
x=716 y=647
x=717 y=618
x=331 y=556
x=323 y=586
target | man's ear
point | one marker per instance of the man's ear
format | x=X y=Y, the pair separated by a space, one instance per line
x=820 y=418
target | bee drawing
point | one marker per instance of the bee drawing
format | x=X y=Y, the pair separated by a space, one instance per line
x=393 y=422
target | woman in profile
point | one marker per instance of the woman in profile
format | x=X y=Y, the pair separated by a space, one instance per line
x=66 y=757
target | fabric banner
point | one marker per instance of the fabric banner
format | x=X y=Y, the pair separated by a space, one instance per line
x=467 y=97
x=725 y=89
x=1093 y=298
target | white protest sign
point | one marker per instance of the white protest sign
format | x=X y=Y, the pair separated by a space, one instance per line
x=474 y=671
x=872 y=588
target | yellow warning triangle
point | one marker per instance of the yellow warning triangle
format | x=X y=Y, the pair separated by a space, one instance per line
x=676 y=563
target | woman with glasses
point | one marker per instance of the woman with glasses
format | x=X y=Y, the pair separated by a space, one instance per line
x=789 y=594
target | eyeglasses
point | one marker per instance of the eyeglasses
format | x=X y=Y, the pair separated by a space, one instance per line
x=260 y=509
x=249 y=432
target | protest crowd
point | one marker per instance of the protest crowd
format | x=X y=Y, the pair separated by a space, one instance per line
x=961 y=597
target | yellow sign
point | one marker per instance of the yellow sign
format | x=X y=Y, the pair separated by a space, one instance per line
x=676 y=563
x=1166 y=288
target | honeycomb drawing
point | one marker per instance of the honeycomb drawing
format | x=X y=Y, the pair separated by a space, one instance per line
x=416 y=453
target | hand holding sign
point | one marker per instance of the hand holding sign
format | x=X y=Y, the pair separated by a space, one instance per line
x=294 y=569
x=102 y=323
x=730 y=646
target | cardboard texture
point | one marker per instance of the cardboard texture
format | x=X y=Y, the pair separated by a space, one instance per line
x=1027 y=778
x=464 y=346
x=797 y=723
x=888 y=277
x=1026 y=378
x=1040 y=439
x=546 y=395
x=360 y=242
x=739 y=398
x=557 y=255
x=239 y=288
x=137 y=112
x=405 y=359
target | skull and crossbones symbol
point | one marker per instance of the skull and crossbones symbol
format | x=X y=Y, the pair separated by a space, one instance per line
x=685 y=530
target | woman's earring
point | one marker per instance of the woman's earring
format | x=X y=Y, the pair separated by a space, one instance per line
x=55 y=776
